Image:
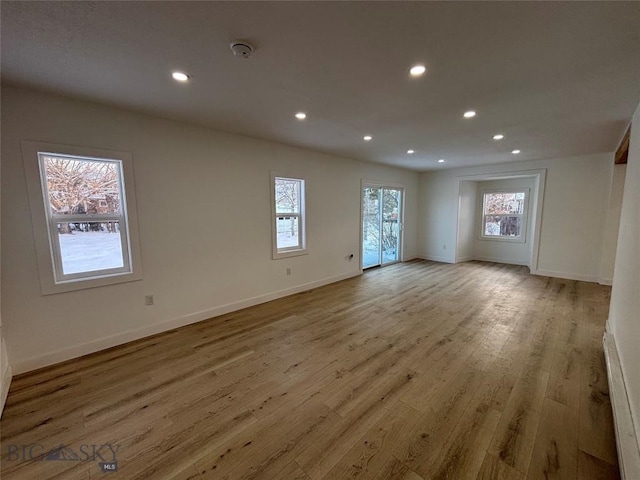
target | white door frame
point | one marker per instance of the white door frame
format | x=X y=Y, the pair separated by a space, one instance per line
x=379 y=184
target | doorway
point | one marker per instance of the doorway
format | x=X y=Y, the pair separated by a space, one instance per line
x=381 y=225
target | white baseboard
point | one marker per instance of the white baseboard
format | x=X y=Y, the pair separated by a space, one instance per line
x=606 y=281
x=626 y=436
x=40 y=361
x=566 y=275
x=4 y=387
x=467 y=258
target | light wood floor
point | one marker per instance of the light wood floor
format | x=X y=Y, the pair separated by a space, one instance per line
x=414 y=371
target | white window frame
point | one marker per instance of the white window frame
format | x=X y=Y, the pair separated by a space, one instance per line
x=522 y=238
x=301 y=248
x=52 y=278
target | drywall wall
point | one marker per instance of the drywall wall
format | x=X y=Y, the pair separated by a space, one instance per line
x=575 y=203
x=517 y=253
x=610 y=234
x=205 y=226
x=467 y=219
x=438 y=202
x=624 y=312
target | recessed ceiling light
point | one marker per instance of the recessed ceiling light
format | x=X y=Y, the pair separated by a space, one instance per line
x=411 y=152
x=515 y=152
x=367 y=138
x=469 y=114
x=417 y=70
x=498 y=136
x=301 y=115
x=442 y=160
x=180 y=76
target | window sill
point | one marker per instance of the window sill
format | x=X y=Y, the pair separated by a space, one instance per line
x=51 y=288
x=504 y=239
x=289 y=253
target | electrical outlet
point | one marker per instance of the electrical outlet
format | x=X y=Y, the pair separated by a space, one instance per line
x=288 y=271
x=148 y=300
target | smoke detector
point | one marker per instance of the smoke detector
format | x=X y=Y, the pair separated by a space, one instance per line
x=241 y=49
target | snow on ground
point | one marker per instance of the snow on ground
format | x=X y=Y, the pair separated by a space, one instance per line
x=370 y=255
x=286 y=240
x=90 y=251
x=371 y=243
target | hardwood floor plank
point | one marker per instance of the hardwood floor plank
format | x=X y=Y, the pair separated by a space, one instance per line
x=372 y=453
x=515 y=435
x=564 y=378
x=395 y=470
x=555 y=453
x=446 y=403
x=292 y=472
x=264 y=451
x=462 y=453
x=592 y=468
x=322 y=456
x=495 y=469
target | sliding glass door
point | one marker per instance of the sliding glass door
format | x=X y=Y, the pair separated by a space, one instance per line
x=371 y=222
x=381 y=225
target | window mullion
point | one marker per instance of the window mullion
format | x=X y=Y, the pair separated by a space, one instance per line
x=87 y=218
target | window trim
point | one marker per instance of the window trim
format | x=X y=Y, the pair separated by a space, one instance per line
x=287 y=252
x=522 y=238
x=43 y=221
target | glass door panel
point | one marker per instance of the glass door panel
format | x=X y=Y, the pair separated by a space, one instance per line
x=371 y=227
x=391 y=199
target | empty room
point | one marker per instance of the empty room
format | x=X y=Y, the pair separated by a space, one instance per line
x=320 y=240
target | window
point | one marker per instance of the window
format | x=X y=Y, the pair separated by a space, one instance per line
x=504 y=215
x=289 y=219
x=81 y=207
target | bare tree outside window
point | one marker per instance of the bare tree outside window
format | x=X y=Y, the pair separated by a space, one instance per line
x=78 y=187
x=503 y=214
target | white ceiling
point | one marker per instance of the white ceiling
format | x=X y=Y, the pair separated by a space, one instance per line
x=557 y=79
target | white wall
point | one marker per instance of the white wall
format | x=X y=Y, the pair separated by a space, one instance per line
x=624 y=312
x=517 y=253
x=438 y=202
x=467 y=218
x=205 y=226
x=610 y=240
x=574 y=212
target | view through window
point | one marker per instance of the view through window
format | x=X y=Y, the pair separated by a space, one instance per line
x=289 y=215
x=503 y=214
x=84 y=204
